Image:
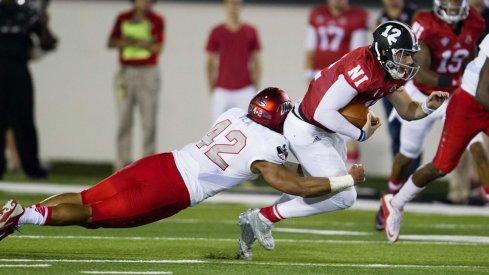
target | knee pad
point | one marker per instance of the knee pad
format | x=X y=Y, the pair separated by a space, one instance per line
x=345 y=199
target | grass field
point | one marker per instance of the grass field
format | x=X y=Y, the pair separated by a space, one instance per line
x=203 y=240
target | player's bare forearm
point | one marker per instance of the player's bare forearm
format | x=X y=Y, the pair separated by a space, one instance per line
x=211 y=71
x=287 y=181
x=256 y=69
x=309 y=57
x=120 y=43
x=425 y=76
x=405 y=106
x=482 y=93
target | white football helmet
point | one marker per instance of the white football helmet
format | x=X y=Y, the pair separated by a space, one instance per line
x=451 y=11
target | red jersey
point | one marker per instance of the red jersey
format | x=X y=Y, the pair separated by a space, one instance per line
x=234 y=49
x=334 y=33
x=149 y=29
x=362 y=71
x=448 y=50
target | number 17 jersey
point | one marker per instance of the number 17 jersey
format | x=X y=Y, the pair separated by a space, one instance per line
x=223 y=157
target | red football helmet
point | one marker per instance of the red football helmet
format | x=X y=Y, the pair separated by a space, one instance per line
x=269 y=108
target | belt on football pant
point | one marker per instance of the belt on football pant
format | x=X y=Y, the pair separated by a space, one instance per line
x=299 y=113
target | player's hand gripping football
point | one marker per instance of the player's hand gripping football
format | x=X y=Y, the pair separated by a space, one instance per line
x=358 y=173
x=372 y=124
x=436 y=99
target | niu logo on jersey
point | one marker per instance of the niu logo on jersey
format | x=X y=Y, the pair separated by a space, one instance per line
x=357 y=75
x=282 y=152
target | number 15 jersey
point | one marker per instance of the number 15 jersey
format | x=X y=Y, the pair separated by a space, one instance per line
x=223 y=157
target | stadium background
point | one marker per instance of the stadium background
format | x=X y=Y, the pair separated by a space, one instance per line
x=75 y=103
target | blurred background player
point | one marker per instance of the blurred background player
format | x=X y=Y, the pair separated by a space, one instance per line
x=334 y=30
x=464 y=184
x=138 y=34
x=313 y=128
x=448 y=36
x=21 y=23
x=402 y=11
x=467 y=116
x=239 y=147
x=233 y=61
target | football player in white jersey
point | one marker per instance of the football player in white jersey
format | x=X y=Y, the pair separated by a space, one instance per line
x=239 y=147
x=467 y=116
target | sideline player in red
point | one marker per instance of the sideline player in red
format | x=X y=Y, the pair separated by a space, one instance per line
x=363 y=76
x=334 y=30
x=467 y=116
x=448 y=38
x=239 y=147
x=233 y=61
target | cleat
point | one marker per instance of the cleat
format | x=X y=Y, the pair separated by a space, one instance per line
x=379 y=220
x=246 y=238
x=392 y=218
x=9 y=218
x=261 y=230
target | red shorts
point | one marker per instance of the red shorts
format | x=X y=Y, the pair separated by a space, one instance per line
x=465 y=118
x=148 y=190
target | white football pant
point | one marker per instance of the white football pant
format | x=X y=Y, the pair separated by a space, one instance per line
x=321 y=154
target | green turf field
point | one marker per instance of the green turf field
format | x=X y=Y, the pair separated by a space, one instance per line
x=203 y=240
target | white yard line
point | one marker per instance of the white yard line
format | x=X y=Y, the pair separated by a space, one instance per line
x=126 y=272
x=409 y=239
x=257 y=199
x=322 y=232
x=25 y=265
x=105 y=261
x=376 y=265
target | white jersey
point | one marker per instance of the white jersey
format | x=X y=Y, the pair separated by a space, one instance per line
x=470 y=80
x=223 y=157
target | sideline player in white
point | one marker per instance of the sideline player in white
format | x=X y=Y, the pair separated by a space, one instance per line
x=363 y=76
x=467 y=116
x=239 y=147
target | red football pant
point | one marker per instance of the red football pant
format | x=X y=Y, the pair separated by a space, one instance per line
x=146 y=191
x=465 y=118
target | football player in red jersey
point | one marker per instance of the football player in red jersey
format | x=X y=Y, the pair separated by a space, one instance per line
x=448 y=36
x=239 y=147
x=365 y=75
x=467 y=116
x=334 y=30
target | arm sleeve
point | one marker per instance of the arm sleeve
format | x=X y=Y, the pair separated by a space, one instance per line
x=311 y=38
x=484 y=46
x=338 y=96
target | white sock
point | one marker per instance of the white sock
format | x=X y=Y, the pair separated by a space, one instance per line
x=406 y=194
x=37 y=215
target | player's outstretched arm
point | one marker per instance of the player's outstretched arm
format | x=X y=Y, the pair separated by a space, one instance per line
x=413 y=110
x=287 y=181
x=482 y=93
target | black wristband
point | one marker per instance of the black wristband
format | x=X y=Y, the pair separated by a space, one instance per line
x=444 y=80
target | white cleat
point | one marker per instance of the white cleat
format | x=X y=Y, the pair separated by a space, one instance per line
x=9 y=218
x=246 y=238
x=392 y=218
x=261 y=230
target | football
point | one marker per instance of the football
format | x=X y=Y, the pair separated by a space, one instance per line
x=356 y=114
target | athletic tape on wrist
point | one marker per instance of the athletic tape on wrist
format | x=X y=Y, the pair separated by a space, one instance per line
x=363 y=136
x=427 y=110
x=341 y=183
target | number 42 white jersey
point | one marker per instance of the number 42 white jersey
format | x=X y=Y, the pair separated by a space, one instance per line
x=223 y=157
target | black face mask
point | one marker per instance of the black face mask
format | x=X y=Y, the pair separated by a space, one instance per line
x=16 y=18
